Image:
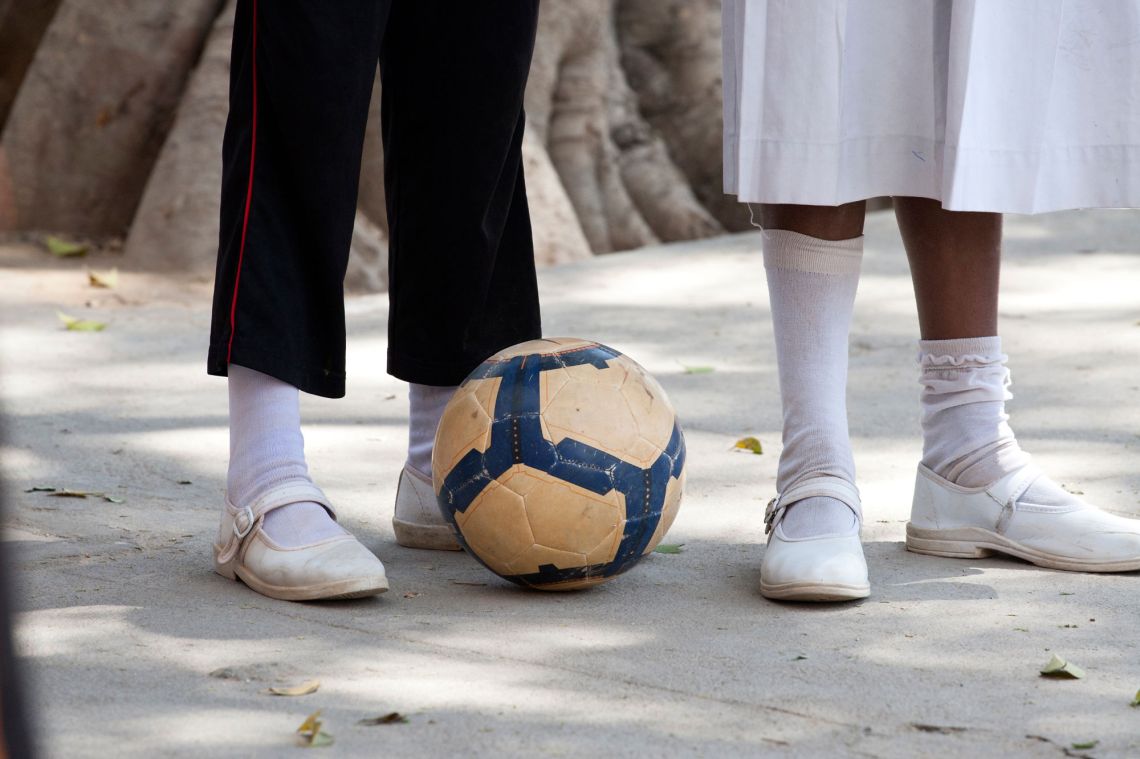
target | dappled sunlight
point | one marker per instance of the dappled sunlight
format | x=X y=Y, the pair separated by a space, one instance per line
x=680 y=655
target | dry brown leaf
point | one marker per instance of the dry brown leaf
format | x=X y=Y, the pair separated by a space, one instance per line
x=304 y=689
x=391 y=718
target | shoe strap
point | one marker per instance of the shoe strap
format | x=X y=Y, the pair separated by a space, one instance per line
x=831 y=487
x=1008 y=490
x=247 y=520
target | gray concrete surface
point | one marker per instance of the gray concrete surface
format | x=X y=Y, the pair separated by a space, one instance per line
x=123 y=622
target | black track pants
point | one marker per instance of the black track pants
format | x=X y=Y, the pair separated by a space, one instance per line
x=461 y=261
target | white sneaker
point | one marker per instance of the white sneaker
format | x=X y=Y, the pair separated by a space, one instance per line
x=418 y=522
x=824 y=568
x=334 y=568
x=968 y=523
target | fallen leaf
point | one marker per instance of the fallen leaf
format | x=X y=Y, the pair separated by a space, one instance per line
x=799 y=657
x=40 y=489
x=64 y=248
x=668 y=548
x=391 y=718
x=1136 y=701
x=698 y=369
x=185 y=482
x=748 y=444
x=65 y=493
x=1086 y=744
x=104 y=279
x=411 y=594
x=940 y=729
x=304 y=689
x=311 y=734
x=1021 y=629
x=1061 y=669
x=112 y=499
x=80 y=325
x=1064 y=594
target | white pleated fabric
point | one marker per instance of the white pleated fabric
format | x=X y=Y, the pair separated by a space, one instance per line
x=1020 y=106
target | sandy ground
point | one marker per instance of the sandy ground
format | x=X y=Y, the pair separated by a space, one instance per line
x=138 y=649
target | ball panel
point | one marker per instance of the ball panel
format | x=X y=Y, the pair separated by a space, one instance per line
x=534 y=558
x=604 y=552
x=566 y=517
x=549 y=383
x=649 y=406
x=594 y=413
x=465 y=424
x=495 y=526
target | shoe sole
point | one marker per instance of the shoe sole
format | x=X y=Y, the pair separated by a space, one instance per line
x=359 y=587
x=976 y=543
x=813 y=591
x=433 y=537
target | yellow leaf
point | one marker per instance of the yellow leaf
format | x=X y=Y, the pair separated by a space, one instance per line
x=107 y=279
x=304 y=689
x=311 y=734
x=749 y=444
x=64 y=248
x=80 y=325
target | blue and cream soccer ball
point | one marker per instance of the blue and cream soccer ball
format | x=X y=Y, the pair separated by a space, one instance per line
x=560 y=463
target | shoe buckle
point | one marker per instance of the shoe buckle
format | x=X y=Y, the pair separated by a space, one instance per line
x=243 y=522
x=770 y=514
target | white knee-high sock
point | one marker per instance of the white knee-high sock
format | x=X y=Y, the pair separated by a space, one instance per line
x=811 y=286
x=966 y=437
x=426 y=404
x=266 y=450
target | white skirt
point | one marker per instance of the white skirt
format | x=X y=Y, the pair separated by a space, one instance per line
x=1020 y=106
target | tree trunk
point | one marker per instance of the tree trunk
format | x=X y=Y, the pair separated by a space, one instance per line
x=622 y=146
x=671 y=52
x=22 y=26
x=176 y=226
x=618 y=174
x=94 y=109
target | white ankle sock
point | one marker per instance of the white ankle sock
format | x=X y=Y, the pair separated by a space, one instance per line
x=426 y=404
x=266 y=450
x=966 y=434
x=811 y=286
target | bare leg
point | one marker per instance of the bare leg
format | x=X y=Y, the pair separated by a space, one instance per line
x=955 y=261
x=825 y=222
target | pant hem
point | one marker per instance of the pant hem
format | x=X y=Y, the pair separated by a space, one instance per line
x=316 y=381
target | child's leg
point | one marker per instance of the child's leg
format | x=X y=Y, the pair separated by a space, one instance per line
x=955 y=260
x=267 y=451
x=811 y=257
x=977 y=490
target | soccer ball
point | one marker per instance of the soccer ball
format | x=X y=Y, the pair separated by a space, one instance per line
x=560 y=463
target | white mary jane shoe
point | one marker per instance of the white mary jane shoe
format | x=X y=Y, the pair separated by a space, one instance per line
x=948 y=520
x=824 y=568
x=334 y=568
x=418 y=522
